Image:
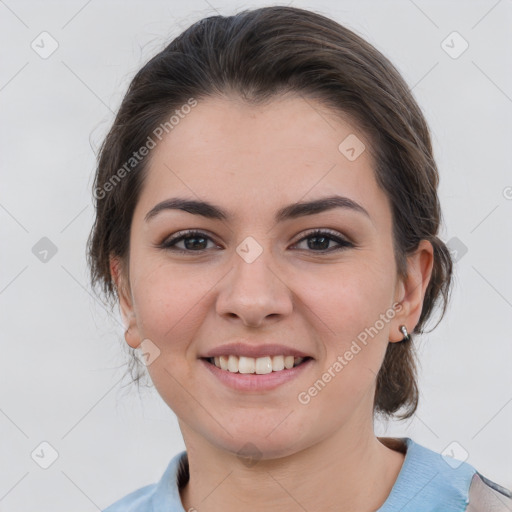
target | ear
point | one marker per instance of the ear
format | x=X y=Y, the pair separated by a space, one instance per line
x=120 y=277
x=411 y=290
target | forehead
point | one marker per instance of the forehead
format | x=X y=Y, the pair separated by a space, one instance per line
x=251 y=158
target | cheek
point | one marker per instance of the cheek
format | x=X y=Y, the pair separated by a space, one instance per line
x=354 y=343
x=169 y=304
x=352 y=306
x=167 y=301
x=347 y=298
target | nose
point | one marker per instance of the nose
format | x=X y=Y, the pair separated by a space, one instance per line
x=254 y=292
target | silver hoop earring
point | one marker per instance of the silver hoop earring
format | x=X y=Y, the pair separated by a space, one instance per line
x=405 y=333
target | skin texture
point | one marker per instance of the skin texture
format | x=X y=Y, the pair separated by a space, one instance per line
x=252 y=161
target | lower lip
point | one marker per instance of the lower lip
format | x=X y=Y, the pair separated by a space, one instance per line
x=255 y=382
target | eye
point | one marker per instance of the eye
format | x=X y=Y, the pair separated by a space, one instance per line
x=194 y=241
x=319 y=240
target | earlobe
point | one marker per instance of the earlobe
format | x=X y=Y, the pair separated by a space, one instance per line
x=401 y=327
x=405 y=332
x=412 y=291
x=125 y=302
x=131 y=338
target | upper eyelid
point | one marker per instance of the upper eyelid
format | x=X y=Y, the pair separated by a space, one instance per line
x=333 y=234
x=182 y=234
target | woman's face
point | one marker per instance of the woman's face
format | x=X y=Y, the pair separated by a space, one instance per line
x=258 y=278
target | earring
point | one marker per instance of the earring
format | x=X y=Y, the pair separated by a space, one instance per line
x=405 y=333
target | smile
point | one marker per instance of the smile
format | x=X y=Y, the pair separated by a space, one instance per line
x=256 y=365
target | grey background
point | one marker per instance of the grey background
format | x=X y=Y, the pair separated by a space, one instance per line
x=63 y=355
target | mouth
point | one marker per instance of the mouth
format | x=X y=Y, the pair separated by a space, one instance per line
x=255 y=365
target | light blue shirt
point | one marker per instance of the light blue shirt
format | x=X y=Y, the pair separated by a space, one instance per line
x=427 y=482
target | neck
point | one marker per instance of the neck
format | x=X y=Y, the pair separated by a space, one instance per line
x=351 y=470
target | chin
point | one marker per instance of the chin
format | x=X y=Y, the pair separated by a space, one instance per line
x=250 y=450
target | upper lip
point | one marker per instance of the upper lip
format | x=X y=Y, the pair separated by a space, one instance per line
x=251 y=350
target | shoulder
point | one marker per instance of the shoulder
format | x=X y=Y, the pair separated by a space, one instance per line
x=163 y=496
x=487 y=496
x=431 y=481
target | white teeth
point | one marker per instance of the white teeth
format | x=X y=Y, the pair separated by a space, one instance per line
x=246 y=365
x=223 y=362
x=263 y=365
x=277 y=363
x=259 y=365
x=233 y=364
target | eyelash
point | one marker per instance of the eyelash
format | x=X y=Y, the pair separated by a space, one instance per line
x=170 y=243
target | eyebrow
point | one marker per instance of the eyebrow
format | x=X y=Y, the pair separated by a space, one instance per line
x=292 y=211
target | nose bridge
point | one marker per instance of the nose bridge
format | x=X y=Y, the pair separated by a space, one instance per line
x=254 y=290
x=254 y=263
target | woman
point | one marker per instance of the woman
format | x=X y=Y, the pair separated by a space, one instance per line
x=267 y=219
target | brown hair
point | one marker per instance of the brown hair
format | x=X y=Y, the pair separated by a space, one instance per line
x=258 y=54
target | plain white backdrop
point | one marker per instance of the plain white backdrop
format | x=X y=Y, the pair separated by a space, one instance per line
x=63 y=356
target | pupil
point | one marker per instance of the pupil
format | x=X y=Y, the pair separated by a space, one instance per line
x=190 y=245
x=324 y=239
